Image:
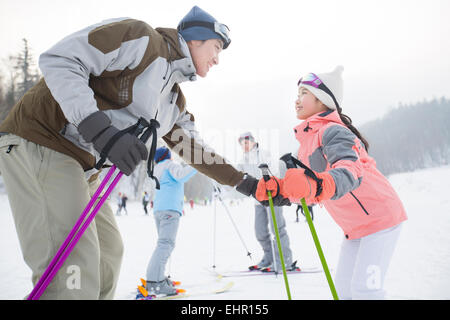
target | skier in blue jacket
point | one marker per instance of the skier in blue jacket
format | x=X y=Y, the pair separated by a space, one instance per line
x=168 y=208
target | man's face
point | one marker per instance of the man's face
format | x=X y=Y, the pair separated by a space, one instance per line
x=205 y=54
x=247 y=145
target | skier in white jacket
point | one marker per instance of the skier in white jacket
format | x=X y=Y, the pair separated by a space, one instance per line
x=253 y=156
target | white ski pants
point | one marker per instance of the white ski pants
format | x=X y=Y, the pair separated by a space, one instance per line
x=363 y=264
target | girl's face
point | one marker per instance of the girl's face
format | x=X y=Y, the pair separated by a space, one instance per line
x=205 y=54
x=307 y=104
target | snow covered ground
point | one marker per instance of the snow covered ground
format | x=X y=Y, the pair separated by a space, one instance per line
x=420 y=268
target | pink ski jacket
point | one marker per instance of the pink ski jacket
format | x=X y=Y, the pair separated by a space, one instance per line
x=364 y=201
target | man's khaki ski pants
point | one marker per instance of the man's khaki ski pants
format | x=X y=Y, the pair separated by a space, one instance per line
x=47 y=192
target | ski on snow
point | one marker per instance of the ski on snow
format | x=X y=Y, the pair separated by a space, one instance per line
x=143 y=294
x=249 y=273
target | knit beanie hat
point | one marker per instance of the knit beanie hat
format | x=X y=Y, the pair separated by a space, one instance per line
x=334 y=82
x=246 y=136
x=162 y=154
x=200 y=25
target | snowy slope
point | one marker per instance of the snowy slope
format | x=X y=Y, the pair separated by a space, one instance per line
x=419 y=270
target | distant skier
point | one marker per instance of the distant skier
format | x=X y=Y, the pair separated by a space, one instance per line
x=253 y=156
x=168 y=208
x=124 y=203
x=119 y=203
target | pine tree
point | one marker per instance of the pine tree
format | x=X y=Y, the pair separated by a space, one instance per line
x=23 y=75
x=8 y=97
x=2 y=98
x=27 y=75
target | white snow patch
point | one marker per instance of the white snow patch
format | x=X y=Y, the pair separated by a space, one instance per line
x=419 y=269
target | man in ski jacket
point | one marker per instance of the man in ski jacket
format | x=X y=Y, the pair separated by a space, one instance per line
x=145 y=200
x=96 y=83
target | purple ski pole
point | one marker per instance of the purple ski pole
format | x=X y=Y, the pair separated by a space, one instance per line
x=76 y=233
x=70 y=242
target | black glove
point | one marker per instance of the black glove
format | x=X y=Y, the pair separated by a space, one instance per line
x=248 y=186
x=278 y=201
x=126 y=152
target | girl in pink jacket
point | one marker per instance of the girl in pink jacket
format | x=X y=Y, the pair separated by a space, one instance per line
x=357 y=196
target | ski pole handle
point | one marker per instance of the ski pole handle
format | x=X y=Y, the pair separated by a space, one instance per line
x=266 y=176
x=265 y=171
x=287 y=158
x=140 y=126
x=146 y=135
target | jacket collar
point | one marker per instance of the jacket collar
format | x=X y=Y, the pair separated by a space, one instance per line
x=171 y=38
x=315 y=122
x=179 y=55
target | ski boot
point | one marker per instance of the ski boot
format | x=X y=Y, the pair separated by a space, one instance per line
x=264 y=263
x=152 y=289
x=289 y=267
x=293 y=267
x=164 y=287
x=172 y=283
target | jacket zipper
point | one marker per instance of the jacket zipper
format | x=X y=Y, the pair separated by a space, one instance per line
x=167 y=68
x=359 y=202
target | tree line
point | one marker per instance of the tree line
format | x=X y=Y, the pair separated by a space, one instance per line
x=22 y=75
x=410 y=137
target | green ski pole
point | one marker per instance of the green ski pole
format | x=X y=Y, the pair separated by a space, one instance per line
x=319 y=250
x=287 y=158
x=265 y=171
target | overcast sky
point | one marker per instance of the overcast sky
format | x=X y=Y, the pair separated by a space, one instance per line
x=393 y=52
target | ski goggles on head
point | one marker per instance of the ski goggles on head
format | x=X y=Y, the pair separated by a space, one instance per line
x=249 y=138
x=312 y=80
x=246 y=136
x=219 y=28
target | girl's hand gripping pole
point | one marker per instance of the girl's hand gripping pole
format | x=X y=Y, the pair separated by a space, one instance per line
x=287 y=158
x=265 y=172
